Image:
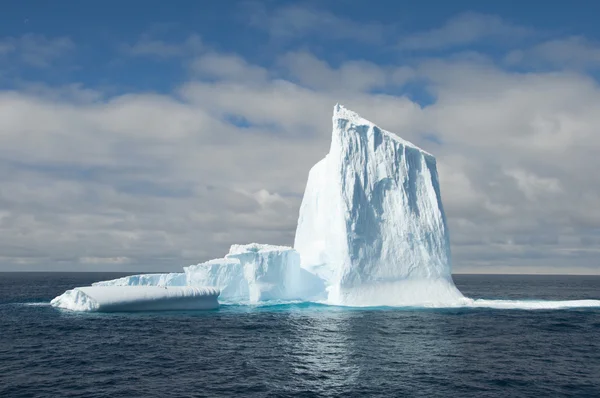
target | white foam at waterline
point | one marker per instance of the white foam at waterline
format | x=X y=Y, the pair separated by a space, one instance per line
x=469 y=303
x=464 y=303
x=407 y=293
x=529 y=304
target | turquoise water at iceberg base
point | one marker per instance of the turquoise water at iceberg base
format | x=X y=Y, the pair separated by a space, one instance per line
x=304 y=349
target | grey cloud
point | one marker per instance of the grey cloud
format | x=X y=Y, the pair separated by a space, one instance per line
x=127 y=179
x=158 y=181
x=528 y=141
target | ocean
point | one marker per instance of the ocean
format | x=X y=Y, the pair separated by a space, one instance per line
x=302 y=350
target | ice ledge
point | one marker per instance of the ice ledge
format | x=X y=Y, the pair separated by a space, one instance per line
x=137 y=298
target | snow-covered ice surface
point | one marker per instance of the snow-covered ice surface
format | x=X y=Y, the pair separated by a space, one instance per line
x=528 y=304
x=137 y=298
x=371 y=232
x=171 y=279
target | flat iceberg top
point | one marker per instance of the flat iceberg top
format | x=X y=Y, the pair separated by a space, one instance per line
x=342 y=113
x=137 y=298
x=170 y=279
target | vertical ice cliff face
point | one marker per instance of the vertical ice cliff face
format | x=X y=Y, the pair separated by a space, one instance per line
x=371 y=223
x=223 y=273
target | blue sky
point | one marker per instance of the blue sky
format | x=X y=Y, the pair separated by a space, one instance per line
x=98 y=33
x=147 y=136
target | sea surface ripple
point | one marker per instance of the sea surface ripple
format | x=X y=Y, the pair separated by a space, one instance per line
x=304 y=350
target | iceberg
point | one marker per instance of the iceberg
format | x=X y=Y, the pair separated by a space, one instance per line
x=137 y=298
x=248 y=273
x=255 y=272
x=371 y=222
x=371 y=232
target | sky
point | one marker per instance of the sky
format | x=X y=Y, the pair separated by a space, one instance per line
x=147 y=136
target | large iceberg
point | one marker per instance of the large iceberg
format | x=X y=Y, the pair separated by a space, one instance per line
x=371 y=232
x=372 y=222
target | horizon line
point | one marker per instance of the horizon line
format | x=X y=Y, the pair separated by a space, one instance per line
x=163 y=272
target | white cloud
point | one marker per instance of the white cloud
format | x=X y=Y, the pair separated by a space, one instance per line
x=355 y=76
x=572 y=52
x=155 y=182
x=227 y=66
x=465 y=29
x=73 y=92
x=292 y=22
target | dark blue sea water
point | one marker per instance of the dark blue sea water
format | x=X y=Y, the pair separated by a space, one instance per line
x=301 y=350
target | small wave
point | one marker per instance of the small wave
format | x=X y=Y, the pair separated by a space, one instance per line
x=26 y=304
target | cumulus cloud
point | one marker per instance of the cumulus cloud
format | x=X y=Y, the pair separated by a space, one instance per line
x=157 y=181
x=351 y=76
x=574 y=52
x=293 y=22
x=227 y=66
x=465 y=29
